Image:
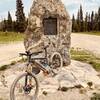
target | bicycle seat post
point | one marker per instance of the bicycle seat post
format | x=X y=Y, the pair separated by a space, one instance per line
x=28 y=56
x=45 y=49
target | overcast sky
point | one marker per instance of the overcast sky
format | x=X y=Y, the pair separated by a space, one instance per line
x=71 y=5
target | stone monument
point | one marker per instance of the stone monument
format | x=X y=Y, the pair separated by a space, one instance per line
x=49 y=23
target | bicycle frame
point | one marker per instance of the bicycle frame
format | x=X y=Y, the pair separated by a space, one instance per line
x=37 y=64
x=42 y=63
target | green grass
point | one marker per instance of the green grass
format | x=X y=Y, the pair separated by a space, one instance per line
x=64 y=89
x=90 y=33
x=13 y=63
x=85 y=56
x=6 y=37
x=1 y=99
x=4 y=67
x=96 y=96
x=45 y=93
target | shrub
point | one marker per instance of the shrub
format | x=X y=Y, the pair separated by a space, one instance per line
x=4 y=67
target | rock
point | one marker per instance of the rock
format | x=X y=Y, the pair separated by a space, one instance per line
x=41 y=12
x=50 y=85
x=66 y=84
x=76 y=75
x=0 y=83
x=72 y=94
x=68 y=77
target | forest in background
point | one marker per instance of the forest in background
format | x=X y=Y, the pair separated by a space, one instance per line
x=8 y=25
x=89 y=23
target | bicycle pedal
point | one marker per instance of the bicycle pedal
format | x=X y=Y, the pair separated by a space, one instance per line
x=45 y=73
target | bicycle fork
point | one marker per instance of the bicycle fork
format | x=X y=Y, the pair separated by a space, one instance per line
x=28 y=84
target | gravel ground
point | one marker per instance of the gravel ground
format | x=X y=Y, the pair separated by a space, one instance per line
x=88 y=42
x=10 y=52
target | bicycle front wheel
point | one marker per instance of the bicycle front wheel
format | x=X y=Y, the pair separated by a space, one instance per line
x=25 y=87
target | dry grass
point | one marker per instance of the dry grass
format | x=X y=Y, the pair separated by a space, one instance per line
x=6 y=37
x=85 y=56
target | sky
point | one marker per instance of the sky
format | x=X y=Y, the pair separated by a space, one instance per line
x=72 y=6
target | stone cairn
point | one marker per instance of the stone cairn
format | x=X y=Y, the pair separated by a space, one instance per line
x=35 y=37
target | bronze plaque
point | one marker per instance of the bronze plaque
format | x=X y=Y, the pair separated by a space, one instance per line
x=50 y=26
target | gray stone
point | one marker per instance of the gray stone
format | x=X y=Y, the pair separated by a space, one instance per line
x=77 y=73
x=49 y=85
x=40 y=10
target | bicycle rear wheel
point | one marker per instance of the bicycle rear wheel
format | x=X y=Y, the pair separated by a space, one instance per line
x=25 y=87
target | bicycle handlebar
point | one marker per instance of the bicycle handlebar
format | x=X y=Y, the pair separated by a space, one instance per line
x=46 y=47
x=29 y=54
x=22 y=54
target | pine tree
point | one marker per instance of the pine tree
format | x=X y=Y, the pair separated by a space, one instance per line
x=73 y=23
x=4 y=25
x=96 y=22
x=99 y=19
x=20 y=16
x=9 y=22
x=89 y=23
x=1 y=25
x=92 y=21
x=86 y=22
x=81 y=19
x=14 y=26
x=78 y=21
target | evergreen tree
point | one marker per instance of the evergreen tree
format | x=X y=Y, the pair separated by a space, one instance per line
x=96 y=22
x=73 y=23
x=86 y=22
x=9 y=22
x=78 y=21
x=99 y=19
x=4 y=25
x=89 y=23
x=14 y=28
x=1 y=25
x=92 y=21
x=20 y=16
x=81 y=19
x=76 y=27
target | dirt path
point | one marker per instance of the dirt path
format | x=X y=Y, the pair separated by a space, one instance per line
x=88 y=42
x=9 y=52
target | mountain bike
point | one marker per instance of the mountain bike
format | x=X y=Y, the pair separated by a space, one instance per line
x=26 y=86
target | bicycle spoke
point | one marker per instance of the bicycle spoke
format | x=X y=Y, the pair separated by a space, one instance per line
x=25 y=90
